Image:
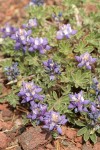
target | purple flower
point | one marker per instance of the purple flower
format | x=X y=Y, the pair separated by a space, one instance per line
x=8 y=30
x=85 y=60
x=12 y=71
x=96 y=86
x=32 y=23
x=94 y=113
x=53 y=120
x=40 y=44
x=78 y=103
x=38 y=111
x=52 y=68
x=29 y=92
x=65 y=31
x=36 y=2
x=21 y=37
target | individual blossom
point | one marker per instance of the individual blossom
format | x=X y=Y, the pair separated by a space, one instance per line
x=65 y=31
x=7 y=31
x=78 y=103
x=53 y=120
x=36 y=2
x=37 y=111
x=40 y=44
x=12 y=72
x=85 y=60
x=52 y=68
x=21 y=37
x=30 y=92
x=32 y=23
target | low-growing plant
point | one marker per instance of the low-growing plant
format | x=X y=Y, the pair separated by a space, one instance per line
x=52 y=68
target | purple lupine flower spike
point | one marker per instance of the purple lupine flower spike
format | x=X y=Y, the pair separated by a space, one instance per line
x=29 y=92
x=7 y=31
x=52 y=68
x=40 y=44
x=21 y=38
x=85 y=60
x=12 y=72
x=94 y=113
x=37 y=111
x=78 y=103
x=53 y=120
x=65 y=31
x=32 y=23
x=36 y=2
x=96 y=86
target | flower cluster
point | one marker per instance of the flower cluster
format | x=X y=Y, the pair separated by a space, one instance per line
x=85 y=60
x=96 y=86
x=53 y=120
x=65 y=31
x=52 y=68
x=78 y=103
x=30 y=92
x=40 y=44
x=36 y=2
x=37 y=111
x=12 y=72
x=32 y=23
x=7 y=31
x=24 y=40
x=21 y=37
x=94 y=112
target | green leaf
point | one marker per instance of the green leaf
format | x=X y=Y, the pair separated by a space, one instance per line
x=81 y=79
x=98 y=130
x=55 y=95
x=82 y=131
x=86 y=135
x=93 y=138
x=79 y=123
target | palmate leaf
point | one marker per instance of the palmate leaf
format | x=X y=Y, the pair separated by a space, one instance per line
x=12 y=99
x=81 y=79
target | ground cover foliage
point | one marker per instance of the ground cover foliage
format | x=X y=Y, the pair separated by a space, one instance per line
x=52 y=66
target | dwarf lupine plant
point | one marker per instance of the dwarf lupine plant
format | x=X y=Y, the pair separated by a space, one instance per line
x=85 y=60
x=65 y=31
x=51 y=52
x=30 y=92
